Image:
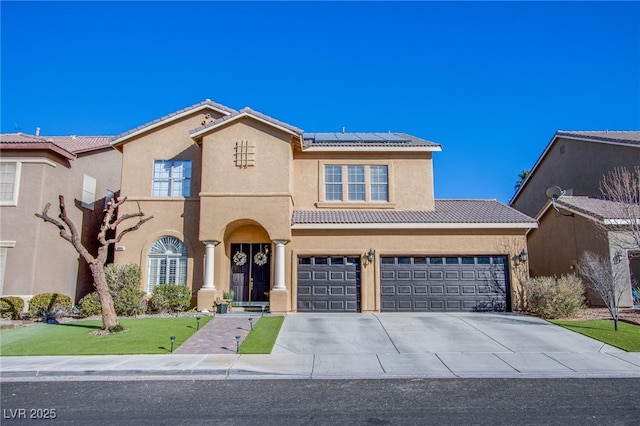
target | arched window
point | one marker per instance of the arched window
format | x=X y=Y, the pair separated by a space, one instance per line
x=167 y=263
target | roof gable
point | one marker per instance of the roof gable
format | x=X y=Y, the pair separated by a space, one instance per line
x=604 y=211
x=204 y=105
x=625 y=138
x=242 y=114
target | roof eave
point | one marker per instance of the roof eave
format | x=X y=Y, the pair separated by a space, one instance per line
x=372 y=148
x=44 y=146
x=152 y=126
x=505 y=225
x=198 y=133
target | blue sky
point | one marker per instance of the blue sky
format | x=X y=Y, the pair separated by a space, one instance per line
x=490 y=81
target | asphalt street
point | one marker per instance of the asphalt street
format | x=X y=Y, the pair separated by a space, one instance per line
x=326 y=402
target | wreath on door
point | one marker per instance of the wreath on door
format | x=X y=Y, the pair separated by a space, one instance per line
x=240 y=258
x=260 y=258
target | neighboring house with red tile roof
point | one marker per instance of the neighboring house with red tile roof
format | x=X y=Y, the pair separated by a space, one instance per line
x=320 y=222
x=34 y=171
x=574 y=162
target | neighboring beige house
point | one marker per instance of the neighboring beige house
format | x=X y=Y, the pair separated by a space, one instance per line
x=575 y=163
x=323 y=222
x=34 y=171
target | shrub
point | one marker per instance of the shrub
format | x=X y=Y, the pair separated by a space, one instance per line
x=89 y=305
x=552 y=297
x=46 y=305
x=11 y=307
x=171 y=298
x=124 y=286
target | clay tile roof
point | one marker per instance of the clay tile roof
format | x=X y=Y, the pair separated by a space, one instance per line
x=595 y=207
x=362 y=139
x=248 y=111
x=67 y=144
x=446 y=212
x=628 y=137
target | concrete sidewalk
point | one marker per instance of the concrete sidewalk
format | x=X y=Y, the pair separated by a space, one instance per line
x=372 y=346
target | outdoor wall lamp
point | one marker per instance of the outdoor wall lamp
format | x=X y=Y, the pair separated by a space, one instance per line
x=371 y=255
x=617 y=258
x=523 y=256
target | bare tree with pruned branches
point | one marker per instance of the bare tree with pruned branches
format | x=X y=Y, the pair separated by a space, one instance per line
x=603 y=280
x=110 y=223
x=622 y=186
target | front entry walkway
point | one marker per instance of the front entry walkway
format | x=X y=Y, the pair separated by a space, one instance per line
x=218 y=336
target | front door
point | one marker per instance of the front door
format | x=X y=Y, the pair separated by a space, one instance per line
x=250 y=273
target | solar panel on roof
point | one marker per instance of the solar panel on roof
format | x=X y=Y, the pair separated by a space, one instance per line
x=347 y=137
x=370 y=137
x=391 y=137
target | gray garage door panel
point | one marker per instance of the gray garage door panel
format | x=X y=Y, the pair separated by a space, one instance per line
x=328 y=284
x=433 y=284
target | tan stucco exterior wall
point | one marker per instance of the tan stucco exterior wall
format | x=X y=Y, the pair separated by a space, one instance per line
x=399 y=242
x=556 y=246
x=573 y=165
x=410 y=179
x=41 y=261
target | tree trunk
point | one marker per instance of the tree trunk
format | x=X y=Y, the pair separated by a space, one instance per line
x=109 y=317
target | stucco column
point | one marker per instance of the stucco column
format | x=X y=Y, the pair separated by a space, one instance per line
x=209 y=264
x=279 y=275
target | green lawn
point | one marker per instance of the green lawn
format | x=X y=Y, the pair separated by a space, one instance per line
x=145 y=336
x=263 y=336
x=627 y=337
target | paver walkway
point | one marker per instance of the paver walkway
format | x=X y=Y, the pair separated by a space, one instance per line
x=218 y=336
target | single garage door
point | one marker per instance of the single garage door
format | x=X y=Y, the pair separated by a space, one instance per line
x=328 y=284
x=441 y=283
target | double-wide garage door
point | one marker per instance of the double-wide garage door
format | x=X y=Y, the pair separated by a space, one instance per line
x=328 y=284
x=431 y=284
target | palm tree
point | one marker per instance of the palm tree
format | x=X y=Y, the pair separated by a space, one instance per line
x=522 y=176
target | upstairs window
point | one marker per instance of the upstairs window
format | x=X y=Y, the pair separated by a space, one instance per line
x=88 y=191
x=9 y=182
x=364 y=183
x=171 y=178
x=356 y=183
x=333 y=183
x=379 y=177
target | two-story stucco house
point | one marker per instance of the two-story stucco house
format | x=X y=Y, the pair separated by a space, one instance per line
x=563 y=193
x=330 y=222
x=34 y=171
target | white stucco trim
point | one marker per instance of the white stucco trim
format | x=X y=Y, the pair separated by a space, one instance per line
x=414 y=226
x=7 y=244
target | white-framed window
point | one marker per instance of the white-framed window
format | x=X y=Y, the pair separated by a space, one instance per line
x=172 y=178
x=9 y=182
x=88 y=191
x=364 y=183
x=167 y=263
x=379 y=178
x=333 y=183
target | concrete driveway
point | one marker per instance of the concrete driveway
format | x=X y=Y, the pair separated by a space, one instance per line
x=419 y=333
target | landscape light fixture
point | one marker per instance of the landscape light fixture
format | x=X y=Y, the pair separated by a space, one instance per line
x=197 y=323
x=523 y=256
x=617 y=258
x=251 y=322
x=237 y=343
x=173 y=340
x=262 y=310
x=371 y=255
